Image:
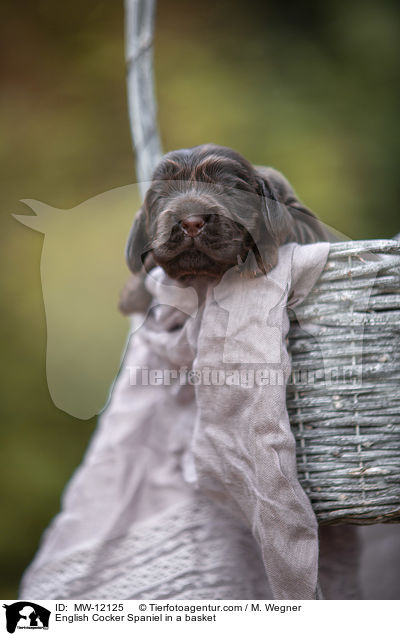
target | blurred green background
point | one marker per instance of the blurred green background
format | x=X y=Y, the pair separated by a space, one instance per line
x=309 y=87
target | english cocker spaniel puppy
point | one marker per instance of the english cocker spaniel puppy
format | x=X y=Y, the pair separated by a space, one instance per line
x=208 y=209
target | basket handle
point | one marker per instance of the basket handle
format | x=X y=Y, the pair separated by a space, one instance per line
x=142 y=106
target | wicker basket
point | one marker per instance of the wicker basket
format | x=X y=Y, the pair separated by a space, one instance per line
x=344 y=394
x=347 y=429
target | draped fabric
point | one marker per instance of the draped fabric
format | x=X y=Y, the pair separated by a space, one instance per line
x=189 y=488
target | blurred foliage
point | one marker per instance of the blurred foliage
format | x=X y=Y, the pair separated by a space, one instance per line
x=308 y=87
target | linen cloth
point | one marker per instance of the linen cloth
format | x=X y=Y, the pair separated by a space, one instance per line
x=188 y=489
x=243 y=445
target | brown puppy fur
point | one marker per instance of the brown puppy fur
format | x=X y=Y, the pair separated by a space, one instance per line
x=207 y=210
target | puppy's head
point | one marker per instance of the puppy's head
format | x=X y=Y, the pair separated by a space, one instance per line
x=207 y=208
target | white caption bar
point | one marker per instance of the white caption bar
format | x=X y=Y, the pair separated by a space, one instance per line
x=166 y=617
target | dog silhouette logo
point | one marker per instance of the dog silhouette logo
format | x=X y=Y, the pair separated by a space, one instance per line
x=26 y=615
x=82 y=270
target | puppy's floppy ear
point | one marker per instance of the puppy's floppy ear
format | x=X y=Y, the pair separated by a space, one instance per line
x=138 y=242
x=275 y=216
x=274 y=227
x=285 y=217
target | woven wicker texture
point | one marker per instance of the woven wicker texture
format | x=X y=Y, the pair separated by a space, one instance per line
x=344 y=394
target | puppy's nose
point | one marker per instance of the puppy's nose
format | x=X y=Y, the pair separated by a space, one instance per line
x=192 y=225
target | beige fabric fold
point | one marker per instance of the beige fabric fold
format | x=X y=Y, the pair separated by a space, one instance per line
x=243 y=446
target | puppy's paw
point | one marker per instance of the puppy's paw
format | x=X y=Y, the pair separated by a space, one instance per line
x=134 y=297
